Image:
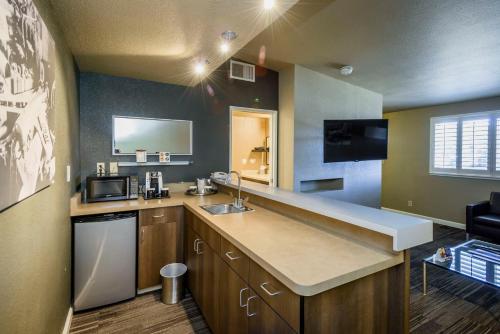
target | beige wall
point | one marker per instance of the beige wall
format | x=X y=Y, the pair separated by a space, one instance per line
x=247 y=133
x=406 y=176
x=35 y=234
x=286 y=128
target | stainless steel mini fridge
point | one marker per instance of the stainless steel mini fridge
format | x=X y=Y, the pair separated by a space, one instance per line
x=104 y=259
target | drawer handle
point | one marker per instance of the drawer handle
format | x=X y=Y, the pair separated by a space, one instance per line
x=241 y=297
x=232 y=258
x=263 y=287
x=158 y=216
x=198 y=251
x=248 y=307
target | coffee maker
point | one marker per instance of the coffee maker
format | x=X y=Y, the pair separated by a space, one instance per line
x=154 y=184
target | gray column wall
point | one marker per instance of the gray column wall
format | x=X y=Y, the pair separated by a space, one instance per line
x=317 y=98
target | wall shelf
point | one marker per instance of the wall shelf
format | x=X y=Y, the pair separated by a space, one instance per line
x=153 y=163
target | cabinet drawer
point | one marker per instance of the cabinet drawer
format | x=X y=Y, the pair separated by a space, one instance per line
x=238 y=261
x=282 y=300
x=153 y=216
x=208 y=235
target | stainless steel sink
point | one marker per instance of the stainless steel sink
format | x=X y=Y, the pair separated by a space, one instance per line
x=223 y=209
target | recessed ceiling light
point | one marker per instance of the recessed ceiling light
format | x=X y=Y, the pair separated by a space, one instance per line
x=268 y=4
x=199 y=68
x=228 y=35
x=224 y=47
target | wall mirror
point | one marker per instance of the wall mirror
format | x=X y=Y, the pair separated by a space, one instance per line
x=153 y=135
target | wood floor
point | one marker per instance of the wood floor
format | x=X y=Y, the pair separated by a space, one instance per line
x=453 y=304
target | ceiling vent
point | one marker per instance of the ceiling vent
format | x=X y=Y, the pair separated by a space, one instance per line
x=242 y=71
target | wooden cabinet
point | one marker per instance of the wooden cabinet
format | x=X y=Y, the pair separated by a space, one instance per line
x=218 y=278
x=160 y=243
x=203 y=273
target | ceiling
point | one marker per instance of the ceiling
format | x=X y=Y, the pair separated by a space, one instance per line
x=158 y=40
x=414 y=52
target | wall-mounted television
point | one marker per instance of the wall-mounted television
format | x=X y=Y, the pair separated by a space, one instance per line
x=355 y=140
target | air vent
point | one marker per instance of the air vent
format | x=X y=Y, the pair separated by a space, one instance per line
x=242 y=71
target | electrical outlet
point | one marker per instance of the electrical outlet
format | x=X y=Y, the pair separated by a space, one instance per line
x=410 y=203
x=101 y=168
x=113 y=168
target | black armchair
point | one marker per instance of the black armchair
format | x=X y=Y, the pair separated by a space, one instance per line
x=483 y=218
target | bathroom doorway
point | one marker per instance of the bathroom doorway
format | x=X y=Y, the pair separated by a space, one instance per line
x=253 y=143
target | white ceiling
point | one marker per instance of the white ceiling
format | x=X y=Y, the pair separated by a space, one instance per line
x=158 y=40
x=414 y=52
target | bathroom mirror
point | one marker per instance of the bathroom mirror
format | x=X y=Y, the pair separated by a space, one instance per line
x=153 y=135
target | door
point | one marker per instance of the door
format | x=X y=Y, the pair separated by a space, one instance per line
x=191 y=257
x=160 y=243
x=253 y=144
x=208 y=284
x=262 y=319
x=232 y=300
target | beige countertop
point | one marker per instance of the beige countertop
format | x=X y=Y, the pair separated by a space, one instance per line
x=304 y=258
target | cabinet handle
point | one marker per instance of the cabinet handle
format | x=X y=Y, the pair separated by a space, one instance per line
x=142 y=235
x=241 y=297
x=263 y=287
x=158 y=216
x=232 y=258
x=248 y=307
x=200 y=242
x=195 y=245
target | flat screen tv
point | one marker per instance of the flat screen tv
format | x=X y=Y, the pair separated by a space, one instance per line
x=355 y=140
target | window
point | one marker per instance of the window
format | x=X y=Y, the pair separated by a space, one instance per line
x=466 y=145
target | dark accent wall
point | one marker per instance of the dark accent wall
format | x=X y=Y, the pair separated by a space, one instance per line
x=207 y=105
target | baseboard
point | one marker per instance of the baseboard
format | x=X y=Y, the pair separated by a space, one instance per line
x=153 y=288
x=434 y=220
x=67 y=324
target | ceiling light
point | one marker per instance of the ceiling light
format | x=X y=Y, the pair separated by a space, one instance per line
x=268 y=4
x=346 y=70
x=199 y=68
x=224 y=47
x=228 y=35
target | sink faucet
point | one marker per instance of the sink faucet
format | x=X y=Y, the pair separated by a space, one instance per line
x=238 y=202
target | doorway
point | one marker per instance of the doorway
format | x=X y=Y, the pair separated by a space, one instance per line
x=253 y=144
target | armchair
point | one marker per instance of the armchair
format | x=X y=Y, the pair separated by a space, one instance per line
x=483 y=218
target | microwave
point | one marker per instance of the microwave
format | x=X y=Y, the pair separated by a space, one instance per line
x=111 y=188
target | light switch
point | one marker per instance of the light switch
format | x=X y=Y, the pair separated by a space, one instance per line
x=68 y=173
x=113 y=167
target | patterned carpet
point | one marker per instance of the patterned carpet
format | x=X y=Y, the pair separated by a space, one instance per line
x=453 y=304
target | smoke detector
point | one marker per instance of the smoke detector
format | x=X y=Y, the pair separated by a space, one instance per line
x=346 y=70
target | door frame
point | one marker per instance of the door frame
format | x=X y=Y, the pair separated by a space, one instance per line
x=274 y=138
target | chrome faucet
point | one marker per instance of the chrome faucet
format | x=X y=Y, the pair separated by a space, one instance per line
x=238 y=202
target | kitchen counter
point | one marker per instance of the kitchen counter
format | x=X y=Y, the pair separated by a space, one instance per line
x=406 y=231
x=306 y=259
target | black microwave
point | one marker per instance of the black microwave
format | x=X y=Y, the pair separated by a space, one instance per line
x=111 y=188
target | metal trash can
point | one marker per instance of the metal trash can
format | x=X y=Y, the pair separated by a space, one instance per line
x=172 y=276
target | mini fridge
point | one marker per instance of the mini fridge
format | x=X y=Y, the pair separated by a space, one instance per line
x=104 y=259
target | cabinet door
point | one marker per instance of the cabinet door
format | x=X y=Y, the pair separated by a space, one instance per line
x=150 y=255
x=160 y=243
x=191 y=239
x=233 y=293
x=263 y=320
x=208 y=284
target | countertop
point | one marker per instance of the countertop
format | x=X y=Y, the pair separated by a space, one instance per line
x=406 y=231
x=306 y=259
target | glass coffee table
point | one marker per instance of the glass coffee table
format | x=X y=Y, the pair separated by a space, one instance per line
x=475 y=259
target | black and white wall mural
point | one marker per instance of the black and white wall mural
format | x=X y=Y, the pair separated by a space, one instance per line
x=27 y=87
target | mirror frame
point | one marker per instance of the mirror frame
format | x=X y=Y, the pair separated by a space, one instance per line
x=156 y=119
